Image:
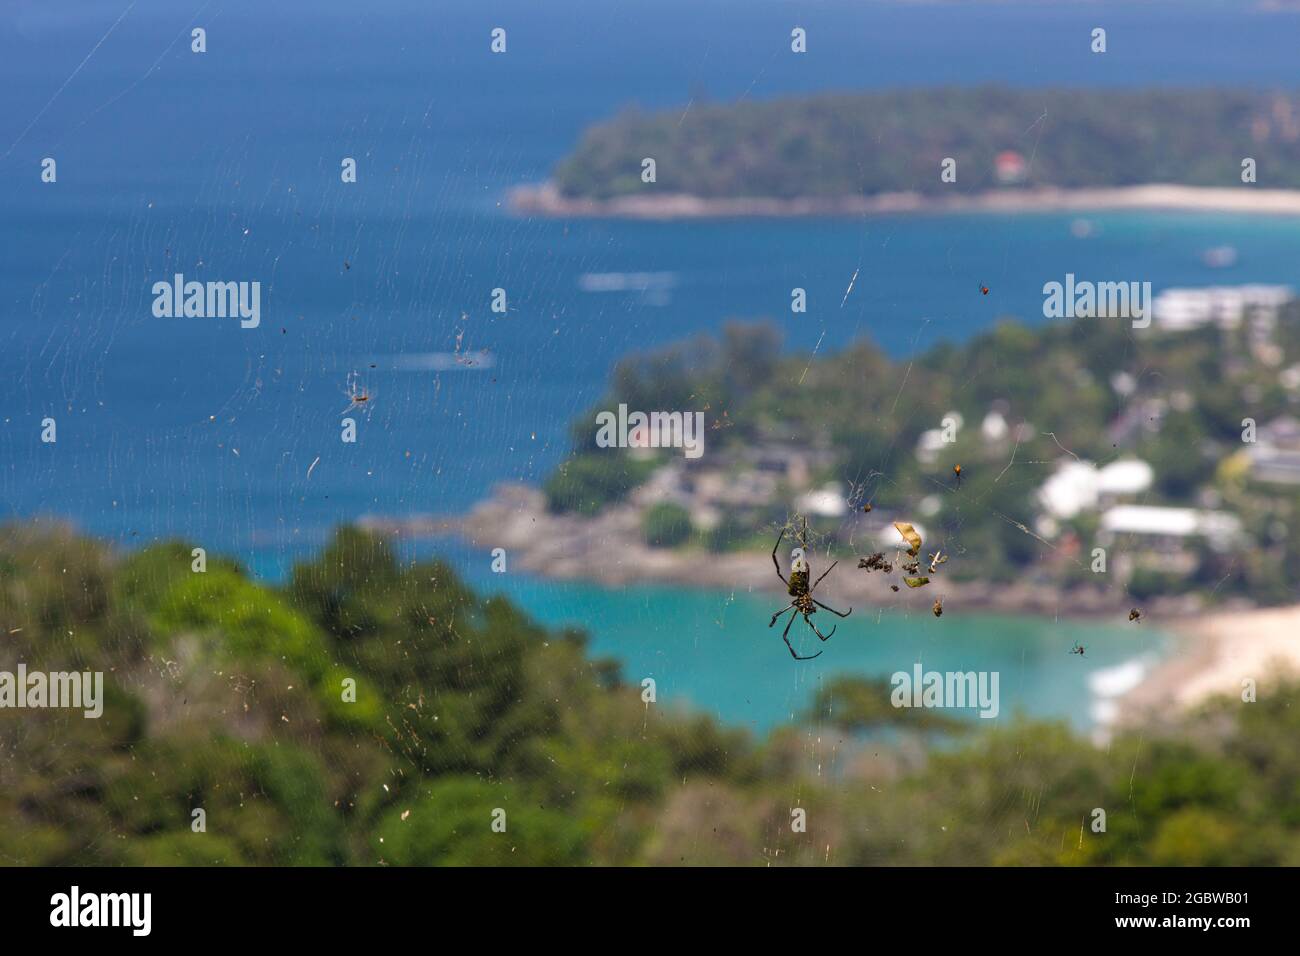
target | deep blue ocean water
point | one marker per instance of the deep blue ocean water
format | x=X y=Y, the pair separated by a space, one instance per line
x=225 y=166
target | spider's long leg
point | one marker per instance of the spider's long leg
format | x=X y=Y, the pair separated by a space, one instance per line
x=777 y=564
x=805 y=657
x=788 y=607
x=786 y=637
x=819 y=580
x=832 y=610
x=824 y=637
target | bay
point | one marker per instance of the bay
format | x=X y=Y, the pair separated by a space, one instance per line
x=712 y=651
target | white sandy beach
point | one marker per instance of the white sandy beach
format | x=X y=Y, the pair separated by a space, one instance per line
x=1214 y=654
x=546 y=200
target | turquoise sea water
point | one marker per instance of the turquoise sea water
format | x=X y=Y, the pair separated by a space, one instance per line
x=224 y=166
x=713 y=651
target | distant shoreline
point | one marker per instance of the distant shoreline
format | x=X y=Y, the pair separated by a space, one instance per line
x=546 y=200
x=607 y=550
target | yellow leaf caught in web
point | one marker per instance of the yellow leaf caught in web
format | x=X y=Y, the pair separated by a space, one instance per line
x=910 y=536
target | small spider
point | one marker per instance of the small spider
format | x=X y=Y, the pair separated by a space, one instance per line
x=984 y=289
x=1135 y=615
x=357 y=397
x=1077 y=649
x=803 y=601
x=956 y=473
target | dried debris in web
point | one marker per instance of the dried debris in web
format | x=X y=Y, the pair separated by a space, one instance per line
x=911 y=565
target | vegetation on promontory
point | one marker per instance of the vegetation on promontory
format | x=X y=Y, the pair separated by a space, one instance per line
x=834 y=145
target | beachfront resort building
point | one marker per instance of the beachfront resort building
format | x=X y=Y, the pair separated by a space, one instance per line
x=1275 y=455
x=1179 y=310
x=1165 y=539
x=1079 y=486
x=828 y=501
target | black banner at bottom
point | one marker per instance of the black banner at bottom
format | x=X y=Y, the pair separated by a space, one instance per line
x=340 y=906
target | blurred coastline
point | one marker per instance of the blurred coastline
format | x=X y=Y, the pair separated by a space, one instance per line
x=547 y=200
x=608 y=549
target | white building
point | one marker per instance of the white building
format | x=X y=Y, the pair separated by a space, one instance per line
x=1275 y=457
x=994 y=427
x=1078 y=486
x=824 y=502
x=1274 y=466
x=1181 y=309
x=1171 y=525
